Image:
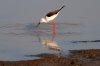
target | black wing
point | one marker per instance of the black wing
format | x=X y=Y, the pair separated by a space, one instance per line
x=54 y=12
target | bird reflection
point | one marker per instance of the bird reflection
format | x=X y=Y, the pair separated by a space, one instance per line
x=50 y=44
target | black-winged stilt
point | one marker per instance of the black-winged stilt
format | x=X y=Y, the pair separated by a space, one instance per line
x=50 y=17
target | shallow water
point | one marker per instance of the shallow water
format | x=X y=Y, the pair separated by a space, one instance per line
x=21 y=40
x=18 y=35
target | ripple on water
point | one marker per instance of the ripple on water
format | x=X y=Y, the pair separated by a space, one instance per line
x=24 y=36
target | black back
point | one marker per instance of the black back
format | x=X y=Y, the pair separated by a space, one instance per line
x=54 y=12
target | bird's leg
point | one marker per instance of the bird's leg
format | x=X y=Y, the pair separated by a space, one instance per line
x=53 y=29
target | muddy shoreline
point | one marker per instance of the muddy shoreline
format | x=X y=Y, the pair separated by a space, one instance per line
x=89 y=57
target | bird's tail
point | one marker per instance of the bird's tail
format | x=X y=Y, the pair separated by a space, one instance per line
x=62 y=7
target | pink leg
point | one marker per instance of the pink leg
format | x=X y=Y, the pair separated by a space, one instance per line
x=53 y=29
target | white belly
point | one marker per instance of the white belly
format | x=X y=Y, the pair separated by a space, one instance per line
x=51 y=18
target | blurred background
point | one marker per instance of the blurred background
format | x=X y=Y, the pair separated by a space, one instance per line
x=79 y=21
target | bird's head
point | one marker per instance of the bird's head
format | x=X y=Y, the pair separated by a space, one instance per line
x=43 y=20
x=44 y=42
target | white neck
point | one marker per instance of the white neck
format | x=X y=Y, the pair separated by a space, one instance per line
x=43 y=20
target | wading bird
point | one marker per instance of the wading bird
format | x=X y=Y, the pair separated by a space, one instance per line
x=50 y=17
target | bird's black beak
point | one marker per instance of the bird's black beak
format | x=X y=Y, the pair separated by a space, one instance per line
x=38 y=24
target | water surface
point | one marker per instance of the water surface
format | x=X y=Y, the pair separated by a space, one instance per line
x=79 y=21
